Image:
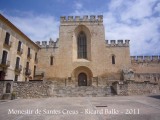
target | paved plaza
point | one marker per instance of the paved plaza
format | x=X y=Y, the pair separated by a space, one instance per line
x=82 y=108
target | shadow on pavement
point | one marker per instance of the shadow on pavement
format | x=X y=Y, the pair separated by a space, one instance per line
x=155 y=96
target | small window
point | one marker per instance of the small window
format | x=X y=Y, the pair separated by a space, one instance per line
x=7 y=38
x=28 y=52
x=4 y=57
x=27 y=66
x=17 y=62
x=19 y=46
x=51 y=60
x=113 y=59
x=16 y=78
x=35 y=57
x=34 y=72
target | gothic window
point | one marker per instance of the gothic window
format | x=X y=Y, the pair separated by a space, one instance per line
x=82 y=45
x=113 y=59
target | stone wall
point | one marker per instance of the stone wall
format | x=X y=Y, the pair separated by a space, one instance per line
x=54 y=88
x=135 y=88
x=1 y=88
x=59 y=88
x=83 y=91
x=145 y=64
x=152 y=77
x=31 y=89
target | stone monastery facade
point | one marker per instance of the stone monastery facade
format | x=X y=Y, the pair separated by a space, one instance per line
x=80 y=57
x=96 y=57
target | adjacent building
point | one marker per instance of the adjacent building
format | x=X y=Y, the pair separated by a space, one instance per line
x=18 y=53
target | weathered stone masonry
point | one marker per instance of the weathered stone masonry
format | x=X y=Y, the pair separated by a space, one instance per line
x=135 y=88
x=61 y=88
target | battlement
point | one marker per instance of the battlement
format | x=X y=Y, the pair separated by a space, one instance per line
x=140 y=59
x=48 y=44
x=86 y=18
x=117 y=43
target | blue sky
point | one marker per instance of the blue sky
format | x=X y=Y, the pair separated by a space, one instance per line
x=137 y=20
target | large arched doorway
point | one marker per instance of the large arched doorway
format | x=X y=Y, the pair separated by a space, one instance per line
x=82 y=76
x=82 y=79
x=8 y=88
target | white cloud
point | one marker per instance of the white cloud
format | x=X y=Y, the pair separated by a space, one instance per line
x=139 y=36
x=115 y=4
x=134 y=20
x=157 y=8
x=138 y=9
x=37 y=27
x=78 y=5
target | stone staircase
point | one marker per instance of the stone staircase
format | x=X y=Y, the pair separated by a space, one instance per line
x=82 y=91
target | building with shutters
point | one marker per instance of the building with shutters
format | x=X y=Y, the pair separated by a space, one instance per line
x=18 y=53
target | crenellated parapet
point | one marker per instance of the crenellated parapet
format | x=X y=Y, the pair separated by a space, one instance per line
x=48 y=44
x=141 y=59
x=117 y=43
x=86 y=18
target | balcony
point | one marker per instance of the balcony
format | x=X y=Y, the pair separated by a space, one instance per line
x=7 y=44
x=27 y=72
x=18 y=68
x=29 y=56
x=4 y=63
x=20 y=51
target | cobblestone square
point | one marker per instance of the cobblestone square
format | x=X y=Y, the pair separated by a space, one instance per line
x=82 y=108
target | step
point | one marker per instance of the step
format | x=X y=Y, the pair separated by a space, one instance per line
x=7 y=96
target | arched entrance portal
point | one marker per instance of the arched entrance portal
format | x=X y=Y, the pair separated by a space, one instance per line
x=82 y=79
x=82 y=76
